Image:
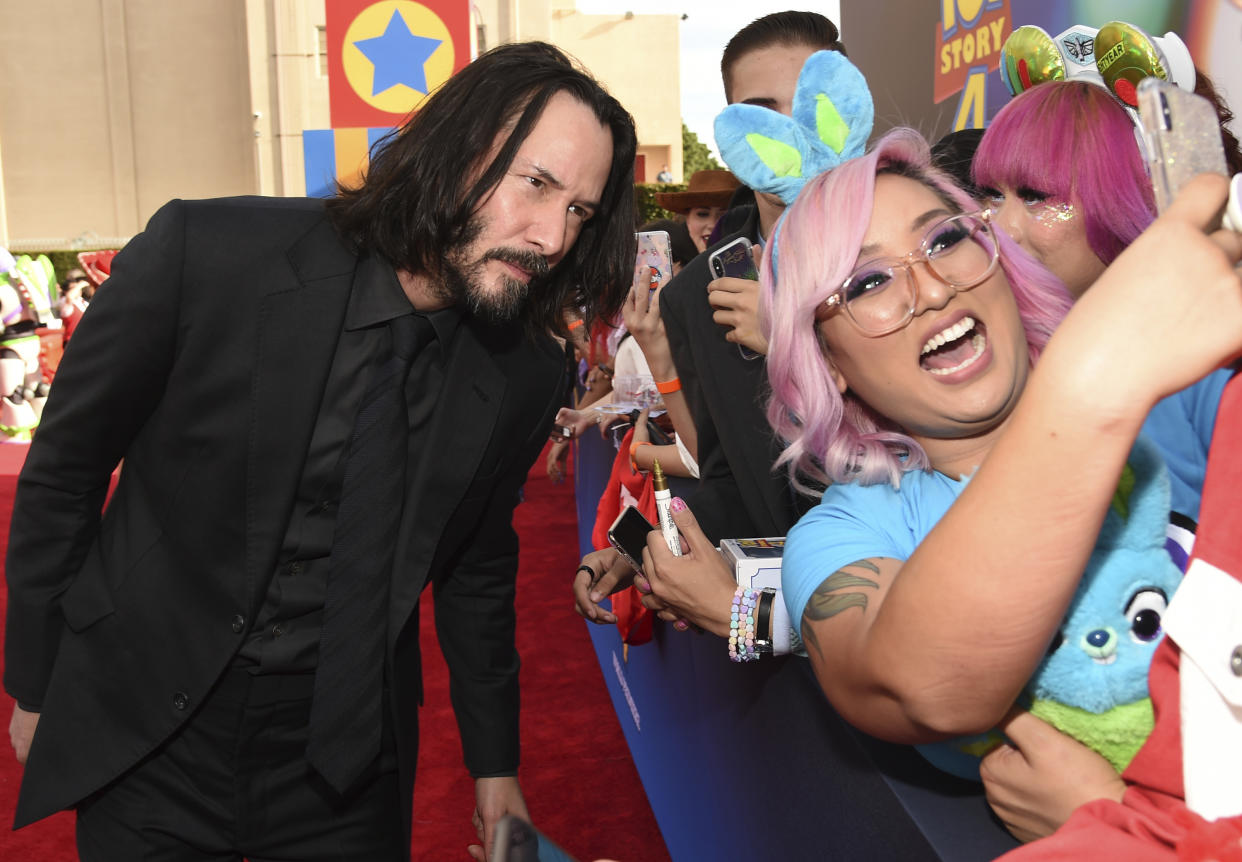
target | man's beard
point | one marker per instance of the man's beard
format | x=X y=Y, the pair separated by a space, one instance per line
x=461 y=281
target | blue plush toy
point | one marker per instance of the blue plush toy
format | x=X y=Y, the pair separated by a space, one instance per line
x=1093 y=683
x=832 y=118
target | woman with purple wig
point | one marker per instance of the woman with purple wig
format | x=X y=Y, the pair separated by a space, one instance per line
x=966 y=484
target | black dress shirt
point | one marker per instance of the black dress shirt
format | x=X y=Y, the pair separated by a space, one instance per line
x=285 y=636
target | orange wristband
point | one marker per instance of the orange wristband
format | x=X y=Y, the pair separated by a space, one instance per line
x=634 y=451
x=574 y=324
x=668 y=387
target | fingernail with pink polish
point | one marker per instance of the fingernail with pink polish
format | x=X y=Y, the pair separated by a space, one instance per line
x=677 y=505
x=681 y=625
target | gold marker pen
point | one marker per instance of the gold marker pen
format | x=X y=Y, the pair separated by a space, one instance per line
x=664 y=499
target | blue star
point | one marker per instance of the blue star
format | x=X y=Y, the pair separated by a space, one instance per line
x=398 y=56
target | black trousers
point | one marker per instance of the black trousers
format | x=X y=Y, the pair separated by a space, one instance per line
x=234 y=783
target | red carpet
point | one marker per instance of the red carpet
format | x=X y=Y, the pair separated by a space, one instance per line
x=576 y=772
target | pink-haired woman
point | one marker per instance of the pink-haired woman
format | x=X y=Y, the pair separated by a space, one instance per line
x=966 y=482
x=1061 y=170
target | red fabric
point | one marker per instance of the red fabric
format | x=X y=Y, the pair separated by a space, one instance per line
x=97 y=264
x=1152 y=821
x=598 y=353
x=633 y=620
x=51 y=346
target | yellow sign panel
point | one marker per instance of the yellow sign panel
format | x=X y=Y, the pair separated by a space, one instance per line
x=395 y=52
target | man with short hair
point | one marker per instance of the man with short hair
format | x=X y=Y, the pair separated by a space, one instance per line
x=725 y=384
x=321 y=409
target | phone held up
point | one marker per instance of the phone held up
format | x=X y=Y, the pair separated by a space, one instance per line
x=1181 y=133
x=734 y=260
x=655 y=249
x=628 y=534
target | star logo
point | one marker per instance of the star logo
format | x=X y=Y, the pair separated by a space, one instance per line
x=398 y=55
x=395 y=52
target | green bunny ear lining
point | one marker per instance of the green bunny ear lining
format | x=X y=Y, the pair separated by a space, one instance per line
x=832 y=128
x=1125 y=487
x=780 y=158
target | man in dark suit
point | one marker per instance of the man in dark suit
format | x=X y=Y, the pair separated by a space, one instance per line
x=320 y=410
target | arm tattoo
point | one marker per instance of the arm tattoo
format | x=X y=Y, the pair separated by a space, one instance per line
x=826 y=602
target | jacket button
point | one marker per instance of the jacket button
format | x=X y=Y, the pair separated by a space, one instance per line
x=239 y=623
x=181 y=700
x=1235 y=661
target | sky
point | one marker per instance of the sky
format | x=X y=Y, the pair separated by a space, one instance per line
x=709 y=26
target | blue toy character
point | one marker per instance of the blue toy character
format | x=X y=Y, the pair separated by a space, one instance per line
x=1092 y=685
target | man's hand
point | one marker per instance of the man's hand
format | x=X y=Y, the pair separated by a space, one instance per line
x=608 y=572
x=735 y=304
x=1036 y=780
x=493 y=799
x=558 y=455
x=22 y=731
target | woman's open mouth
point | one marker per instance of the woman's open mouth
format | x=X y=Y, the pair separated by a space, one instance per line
x=955 y=348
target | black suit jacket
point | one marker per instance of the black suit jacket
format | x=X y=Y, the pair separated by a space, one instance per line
x=202 y=363
x=726 y=389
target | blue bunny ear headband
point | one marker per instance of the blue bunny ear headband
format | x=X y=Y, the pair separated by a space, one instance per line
x=832 y=118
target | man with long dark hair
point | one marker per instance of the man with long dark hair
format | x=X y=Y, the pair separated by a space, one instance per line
x=321 y=409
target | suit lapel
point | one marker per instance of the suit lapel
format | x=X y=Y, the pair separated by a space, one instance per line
x=462 y=427
x=300 y=323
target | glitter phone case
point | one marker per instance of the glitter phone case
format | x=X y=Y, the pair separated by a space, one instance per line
x=1182 y=135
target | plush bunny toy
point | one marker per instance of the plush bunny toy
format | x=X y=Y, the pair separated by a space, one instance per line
x=1093 y=683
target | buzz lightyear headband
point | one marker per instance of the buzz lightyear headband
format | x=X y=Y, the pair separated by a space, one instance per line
x=832 y=119
x=1116 y=57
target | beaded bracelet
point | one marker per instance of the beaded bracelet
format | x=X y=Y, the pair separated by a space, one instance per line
x=742 y=625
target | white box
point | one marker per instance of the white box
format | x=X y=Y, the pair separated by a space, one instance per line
x=756 y=563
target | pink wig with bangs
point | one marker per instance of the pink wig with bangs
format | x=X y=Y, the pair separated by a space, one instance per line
x=829 y=437
x=1071 y=141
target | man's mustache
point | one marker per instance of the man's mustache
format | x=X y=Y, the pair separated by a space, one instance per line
x=533 y=262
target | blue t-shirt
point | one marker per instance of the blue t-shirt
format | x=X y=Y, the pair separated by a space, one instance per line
x=857 y=522
x=1181 y=427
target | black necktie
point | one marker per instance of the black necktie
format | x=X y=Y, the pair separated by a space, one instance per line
x=345 y=721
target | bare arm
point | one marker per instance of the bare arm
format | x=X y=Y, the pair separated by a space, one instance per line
x=944 y=642
x=642 y=318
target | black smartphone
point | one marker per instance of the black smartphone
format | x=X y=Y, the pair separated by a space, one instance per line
x=516 y=840
x=628 y=534
x=733 y=261
x=654 y=432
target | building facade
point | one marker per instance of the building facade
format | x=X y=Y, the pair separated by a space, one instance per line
x=133 y=102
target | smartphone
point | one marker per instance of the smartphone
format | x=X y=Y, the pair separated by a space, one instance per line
x=1181 y=133
x=654 y=432
x=655 y=249
x=628 y=534
x=734 y=260
x=516 y=840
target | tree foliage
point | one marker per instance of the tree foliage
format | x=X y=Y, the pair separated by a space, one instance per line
x=695 y=156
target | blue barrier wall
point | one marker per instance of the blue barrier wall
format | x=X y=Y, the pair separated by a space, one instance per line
x=748 y=762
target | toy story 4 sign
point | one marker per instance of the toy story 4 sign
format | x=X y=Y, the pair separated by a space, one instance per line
x=969 y=37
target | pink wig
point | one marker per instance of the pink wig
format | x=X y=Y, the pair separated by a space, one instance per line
x=829 y=437
x=1072 y=142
